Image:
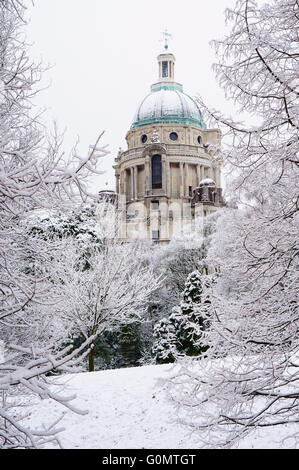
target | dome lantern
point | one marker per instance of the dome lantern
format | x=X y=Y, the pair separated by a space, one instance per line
x=166 y=67
x=167 y=103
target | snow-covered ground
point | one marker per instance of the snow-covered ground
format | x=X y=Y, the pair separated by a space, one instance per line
x=128 y=409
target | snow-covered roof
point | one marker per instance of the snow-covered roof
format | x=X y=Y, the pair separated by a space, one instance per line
x=207 y=182
x=167 y=105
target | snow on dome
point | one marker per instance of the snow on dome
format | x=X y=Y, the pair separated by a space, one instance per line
x=167 y=105
x=207 y=182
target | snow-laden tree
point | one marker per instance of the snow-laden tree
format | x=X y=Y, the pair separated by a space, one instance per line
x=112 y=291
x=34 y=175
x=121 y=346
x=175 y=261
x=79 y=224
x=165 y=338
x=182 y=332
x=250 y=380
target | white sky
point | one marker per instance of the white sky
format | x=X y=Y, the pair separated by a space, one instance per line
x=103 y=57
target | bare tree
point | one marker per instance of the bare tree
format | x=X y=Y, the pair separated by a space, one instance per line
x=250 y=379
x=103 y=285
x=34 y=174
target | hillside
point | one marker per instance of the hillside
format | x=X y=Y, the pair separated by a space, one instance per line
x=127 y=409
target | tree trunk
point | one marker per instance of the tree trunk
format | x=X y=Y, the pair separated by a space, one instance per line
x=91 y=360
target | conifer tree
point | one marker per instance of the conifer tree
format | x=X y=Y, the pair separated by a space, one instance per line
x=165 y=348
x=194 y=312
x=181 y=333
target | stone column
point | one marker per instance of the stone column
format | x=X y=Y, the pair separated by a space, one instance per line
x=181 y=179
x=117 y=178
x=187 y=181
x=121 y=188
x=214 y=173
x=136 y=182
x=164 y=174
x=125 y=183
x=198 y=174
x=202 y=171
x=132 y=182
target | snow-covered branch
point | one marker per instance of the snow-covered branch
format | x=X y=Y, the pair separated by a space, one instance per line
x=250 y=379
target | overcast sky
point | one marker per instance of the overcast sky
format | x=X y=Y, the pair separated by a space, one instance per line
x=103 y=56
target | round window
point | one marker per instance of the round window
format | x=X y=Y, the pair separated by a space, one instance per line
x=199 y=139
x=143 y=138
x=173 y=136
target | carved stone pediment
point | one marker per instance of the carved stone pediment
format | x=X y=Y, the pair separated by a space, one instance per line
x=154 y=148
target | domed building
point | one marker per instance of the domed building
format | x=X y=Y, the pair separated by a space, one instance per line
x=170 y=173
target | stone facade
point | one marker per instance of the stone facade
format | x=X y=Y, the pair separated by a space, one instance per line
x=170 y=167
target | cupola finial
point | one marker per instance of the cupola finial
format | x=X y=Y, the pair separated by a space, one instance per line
x=166 y=37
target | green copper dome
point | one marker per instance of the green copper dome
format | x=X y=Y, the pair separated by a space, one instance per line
x=167 y=105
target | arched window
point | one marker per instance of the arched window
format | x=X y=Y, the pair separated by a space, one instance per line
x=164 y=68
x=156 y=172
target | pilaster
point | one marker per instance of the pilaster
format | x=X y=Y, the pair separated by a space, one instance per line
x=147 y=166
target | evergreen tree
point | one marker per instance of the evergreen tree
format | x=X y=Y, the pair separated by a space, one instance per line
x=166 y=346
x=130 y=344
x=181 y=333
